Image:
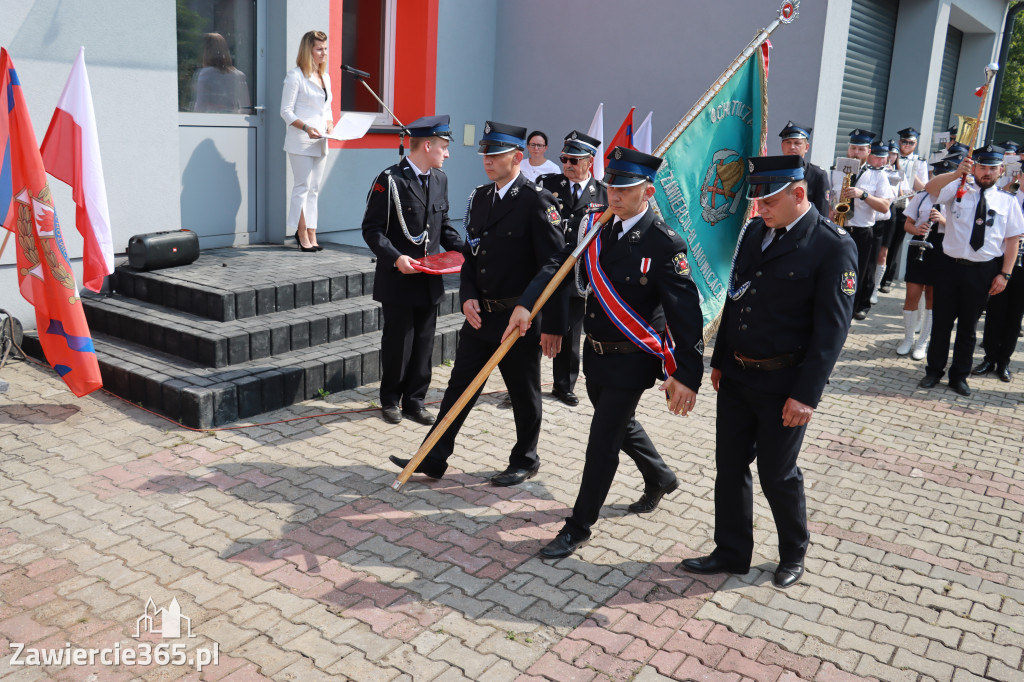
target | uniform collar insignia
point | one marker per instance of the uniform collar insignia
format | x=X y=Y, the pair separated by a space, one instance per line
x=514 y=191
x=634 y=236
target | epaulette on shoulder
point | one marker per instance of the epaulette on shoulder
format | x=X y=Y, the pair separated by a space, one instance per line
x=834 y=229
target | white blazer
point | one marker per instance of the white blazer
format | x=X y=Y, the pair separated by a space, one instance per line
x=303 y=100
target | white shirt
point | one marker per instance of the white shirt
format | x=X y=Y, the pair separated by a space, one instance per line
x=875 y=182
x=503 y=190
x=533 y=172
x=1007 y=221
x=920 y=170
x=415 y=168
x=920 y=207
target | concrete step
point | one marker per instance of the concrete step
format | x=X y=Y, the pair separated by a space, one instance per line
x=238 y=283
x=222 y=344
x=205 y=397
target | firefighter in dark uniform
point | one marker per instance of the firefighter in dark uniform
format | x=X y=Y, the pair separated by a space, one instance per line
x=512 y=229
x=785 y=320
x=796 y=141
x=643 y=263
x=407 y=218
x=983 y=232
x=578 y=193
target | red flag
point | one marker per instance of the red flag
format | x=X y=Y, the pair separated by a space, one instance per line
x=71 y=152
x=623 y=138
x=44 y=273
x=980 y=92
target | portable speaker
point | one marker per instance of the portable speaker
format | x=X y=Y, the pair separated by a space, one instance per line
x=163 y=249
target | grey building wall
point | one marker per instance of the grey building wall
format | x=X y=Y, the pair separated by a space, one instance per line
x=131 y=58
x=558 y=60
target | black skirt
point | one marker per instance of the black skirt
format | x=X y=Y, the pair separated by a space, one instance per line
x=924 y=270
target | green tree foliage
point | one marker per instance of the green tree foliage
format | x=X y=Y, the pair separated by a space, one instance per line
x=1011 y=96
x=190 y=35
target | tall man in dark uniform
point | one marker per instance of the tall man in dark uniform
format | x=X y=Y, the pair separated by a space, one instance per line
x=407 y=218
x=784 y=323
x=578 y=193
x=512 y=229
x=796 y=141
x=640 y=262
x=983 y=231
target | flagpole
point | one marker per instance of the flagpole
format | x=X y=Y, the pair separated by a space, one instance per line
x=788 y=12
x=4 y=247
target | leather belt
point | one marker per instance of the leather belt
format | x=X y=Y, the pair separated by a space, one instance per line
x=612 y=347
x=497 y=305
x=769 y=364
x=972 y=263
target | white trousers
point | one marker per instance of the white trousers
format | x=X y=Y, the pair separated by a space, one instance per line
x=308 y=171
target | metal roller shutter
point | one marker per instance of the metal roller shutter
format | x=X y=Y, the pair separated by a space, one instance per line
x=868 y=62
x=947 y=79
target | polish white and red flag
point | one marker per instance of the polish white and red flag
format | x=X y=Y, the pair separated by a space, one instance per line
x=71 y=154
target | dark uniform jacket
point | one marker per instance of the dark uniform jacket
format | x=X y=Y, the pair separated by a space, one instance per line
x=800 y=300
x=383 y=233
x=668 y=297
x=506 y=244
x=818 y=186
x=593 y=199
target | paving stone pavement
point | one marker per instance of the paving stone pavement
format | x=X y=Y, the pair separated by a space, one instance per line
x=293 y=558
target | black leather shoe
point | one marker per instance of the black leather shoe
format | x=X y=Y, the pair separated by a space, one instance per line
x=514 y=476
x=928 y=381
x=1003 y=373
x=884 y=289
x=420 y=416
x=567 y=397
x=788 y=574
x=983 y=367
x=563 y=545
x=650 y=499
x=391 y=414
x=860 y=315
x=425 y=467
x=960 y=386
x=708 y=565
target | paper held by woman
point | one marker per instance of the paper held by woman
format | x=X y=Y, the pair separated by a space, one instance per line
x=351 y=125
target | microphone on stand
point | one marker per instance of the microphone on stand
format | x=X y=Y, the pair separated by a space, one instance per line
x=355 y=72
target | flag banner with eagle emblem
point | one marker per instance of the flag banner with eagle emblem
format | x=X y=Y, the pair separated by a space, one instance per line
x=701 y=189
x=44 y=271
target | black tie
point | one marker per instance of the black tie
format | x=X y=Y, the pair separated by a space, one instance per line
x=575 y=193
x=776 y=236
x=980 y=221
x=617 y=230
x=425 y=183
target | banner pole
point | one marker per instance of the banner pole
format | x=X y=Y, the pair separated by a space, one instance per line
x=4 y=246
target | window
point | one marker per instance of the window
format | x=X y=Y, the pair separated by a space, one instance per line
x=368 y=43
x=405 y=35
x=216 y=55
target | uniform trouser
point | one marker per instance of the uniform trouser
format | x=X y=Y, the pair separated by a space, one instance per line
x=892 y=258
x=520 y=368
x=1003 y=316
x=566 y=365
x=308 y=171
x=406 y=347
x=749 y=425
x=613 y=428
x=867 y=254
x=961 y=291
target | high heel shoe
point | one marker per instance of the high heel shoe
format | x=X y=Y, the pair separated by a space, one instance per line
x=318 y=247
x=307 y=249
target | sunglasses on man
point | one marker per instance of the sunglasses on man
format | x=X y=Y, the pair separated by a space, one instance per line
x=570 y=159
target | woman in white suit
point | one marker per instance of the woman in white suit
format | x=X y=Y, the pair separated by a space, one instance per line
x=306 y=108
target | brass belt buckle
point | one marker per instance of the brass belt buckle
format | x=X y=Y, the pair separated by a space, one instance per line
x=738 y=359
x=487 y=306
x=597 y=347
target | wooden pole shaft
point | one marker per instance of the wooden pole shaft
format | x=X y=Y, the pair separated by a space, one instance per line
x=962 y=189
x=497 y=357
x=4 y=247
